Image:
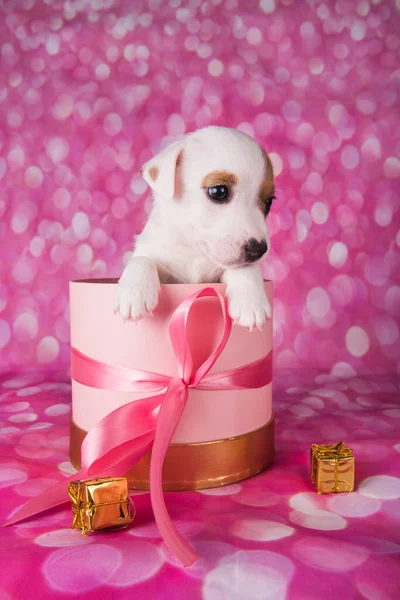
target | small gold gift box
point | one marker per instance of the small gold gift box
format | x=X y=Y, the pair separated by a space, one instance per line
x=100 y=503
x=332 y=468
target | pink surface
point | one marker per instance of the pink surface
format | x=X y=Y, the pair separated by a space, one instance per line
x=209 y=415
x=271 y=536
x=88 y=91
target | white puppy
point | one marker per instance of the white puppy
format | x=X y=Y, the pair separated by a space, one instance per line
x=212 y=191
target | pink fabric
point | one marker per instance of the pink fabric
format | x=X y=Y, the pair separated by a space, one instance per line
x=125 y=435
x=88 y=91
x=271 y=536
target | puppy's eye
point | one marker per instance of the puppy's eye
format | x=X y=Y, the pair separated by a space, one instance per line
x=218 y=193
x=268 y=204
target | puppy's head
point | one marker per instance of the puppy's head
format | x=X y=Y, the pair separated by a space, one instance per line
x=217 y=185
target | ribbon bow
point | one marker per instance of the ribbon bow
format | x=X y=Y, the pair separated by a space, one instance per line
x=125 y=435
x=332 y=451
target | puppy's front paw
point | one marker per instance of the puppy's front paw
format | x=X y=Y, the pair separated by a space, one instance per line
x=135 y=303
x=248 y=311
x=137 y=292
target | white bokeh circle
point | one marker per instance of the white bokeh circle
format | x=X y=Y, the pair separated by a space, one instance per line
x=382 y=487
x=258 y=530
x=249 y=575
x=357 y=341
x=84 y=568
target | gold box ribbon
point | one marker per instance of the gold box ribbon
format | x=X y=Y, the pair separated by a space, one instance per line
x=84 y=509
x=323 y=457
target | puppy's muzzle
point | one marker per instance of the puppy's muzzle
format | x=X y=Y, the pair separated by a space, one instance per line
x=253 y=250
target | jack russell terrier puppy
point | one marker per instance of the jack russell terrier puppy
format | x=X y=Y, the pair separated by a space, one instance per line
x=212 y=192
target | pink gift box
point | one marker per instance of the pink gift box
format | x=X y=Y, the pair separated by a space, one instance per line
x=223 y=435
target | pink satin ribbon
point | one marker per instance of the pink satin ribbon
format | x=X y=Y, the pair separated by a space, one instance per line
x=125 y=435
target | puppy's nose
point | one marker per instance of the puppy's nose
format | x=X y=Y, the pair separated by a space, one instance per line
x=254 y=250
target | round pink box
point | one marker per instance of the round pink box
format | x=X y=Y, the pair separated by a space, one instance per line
x=223 y=435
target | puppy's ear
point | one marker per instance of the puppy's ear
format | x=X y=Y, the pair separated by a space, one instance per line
x=159 y=171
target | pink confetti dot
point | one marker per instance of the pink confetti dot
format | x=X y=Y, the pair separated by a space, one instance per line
x=61 y=198
x=386 y=330
x=215 y=67
x=61 y=538
x=261 y=531
x=392 y=300
x=84 y=254
x=141 y=562
x=86 y=568
x=34 y=487
x=98 y=238
x=384 y=487
x=319 y=519
x=9 y=477
x=23 y=271
x=63 y=176
x=119 y=208
x=343 y=370
x=63 y=107
x=259 y=575
x=354 y=505
x=53 y=44
x=19 y=223
x=57 y=410
x=226 y=490
x=357 y=341
x=366 y=103
x=338 y=254
x=319 y=213
x=102 y=71
x=391 y=167
x=26 y=326
x=81 y=225
x=376 y=271
x=112 y=124
x=16 y=406
x=47 y=350
x=33 y=177
x=349 y=157
x=330 y=555
x=16 y=158
x=383 y=215
x=15 y=118
x=318 y=302
x=342 y=290
x=67 y=468
x=57 y=149
x=268 y=6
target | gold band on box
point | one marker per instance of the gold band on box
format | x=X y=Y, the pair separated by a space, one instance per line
x=201 y=465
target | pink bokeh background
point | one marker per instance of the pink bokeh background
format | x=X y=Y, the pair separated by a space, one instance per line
x=89 y=90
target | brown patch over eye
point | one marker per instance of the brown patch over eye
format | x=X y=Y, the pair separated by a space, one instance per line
x=219 y=178
x=153 y=173
x=266 y=190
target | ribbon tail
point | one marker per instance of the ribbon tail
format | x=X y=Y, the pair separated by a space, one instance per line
x=110 y=449
x=54 y=496
x=171 y=410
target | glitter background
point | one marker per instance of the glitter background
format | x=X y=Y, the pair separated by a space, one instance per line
x=89 y=90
